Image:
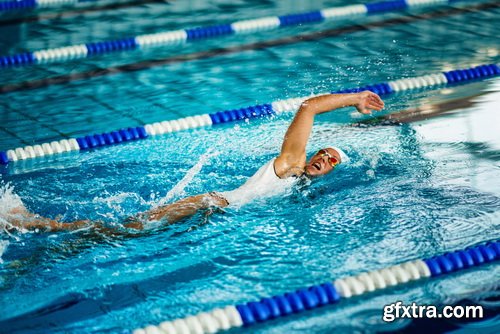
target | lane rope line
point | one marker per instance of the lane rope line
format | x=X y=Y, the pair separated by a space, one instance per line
x=320 y=295
x=23 y=5
x=176 y=37
x=429 y=81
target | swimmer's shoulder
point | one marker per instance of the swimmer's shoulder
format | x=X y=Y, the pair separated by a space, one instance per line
x=285 y=167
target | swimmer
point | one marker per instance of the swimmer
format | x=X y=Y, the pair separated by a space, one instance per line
x=271 y=179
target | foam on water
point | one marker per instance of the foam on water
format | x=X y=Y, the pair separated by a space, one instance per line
x=8 y=202
x=8 y=199
x=3 y=248
x=119 y=204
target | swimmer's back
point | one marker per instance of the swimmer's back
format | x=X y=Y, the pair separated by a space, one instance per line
x=264 y=183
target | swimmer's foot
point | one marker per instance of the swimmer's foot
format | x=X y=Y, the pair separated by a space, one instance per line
x=15 y=217
x=19 y=211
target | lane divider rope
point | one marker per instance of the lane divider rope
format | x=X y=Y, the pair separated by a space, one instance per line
x=19 y=5
x=88 y=142
x=316 y=296
x=169 y=38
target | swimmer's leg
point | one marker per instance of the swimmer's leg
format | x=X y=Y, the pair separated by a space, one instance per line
x=179 y=210
x=171 y=213
x=20 y=218
x=32 y=221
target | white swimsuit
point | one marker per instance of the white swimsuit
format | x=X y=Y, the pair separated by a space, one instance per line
x=264 y=183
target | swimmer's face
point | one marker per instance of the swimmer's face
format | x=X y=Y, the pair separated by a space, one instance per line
x=323 y=162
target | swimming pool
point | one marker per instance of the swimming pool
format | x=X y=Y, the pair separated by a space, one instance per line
x=414 y=189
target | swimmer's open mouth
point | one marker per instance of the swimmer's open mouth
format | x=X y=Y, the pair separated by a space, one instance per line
x=317 y=165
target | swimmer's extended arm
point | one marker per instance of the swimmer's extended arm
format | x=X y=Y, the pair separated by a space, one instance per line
x=293 y=150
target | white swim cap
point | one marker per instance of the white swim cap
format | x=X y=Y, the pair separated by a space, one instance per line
x=344 y=158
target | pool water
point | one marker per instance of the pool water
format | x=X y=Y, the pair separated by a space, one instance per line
x=412 y=189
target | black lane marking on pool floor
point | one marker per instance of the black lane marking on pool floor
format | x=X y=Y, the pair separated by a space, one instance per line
x=117 y=110
x=142 y=65
x=76 y=12
x=13 y=134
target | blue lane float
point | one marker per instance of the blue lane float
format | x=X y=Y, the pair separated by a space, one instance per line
x=316 y=296
x=386 y=6
x=288 y=303
x=169 y=38
x=6 y=6
x=111 y=138
x=430 y=81
x=23 y=5
x=302 y=18
x=111 y=46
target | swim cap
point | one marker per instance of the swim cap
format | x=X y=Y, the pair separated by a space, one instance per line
x=343 y=156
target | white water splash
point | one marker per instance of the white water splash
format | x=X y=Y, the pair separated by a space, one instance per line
x=8 y=202
x=116 y=203
x=8 y=199
x=178 y=189
x=3 y=248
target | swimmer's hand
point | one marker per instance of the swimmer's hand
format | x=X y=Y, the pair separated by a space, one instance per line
x=365 y=102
